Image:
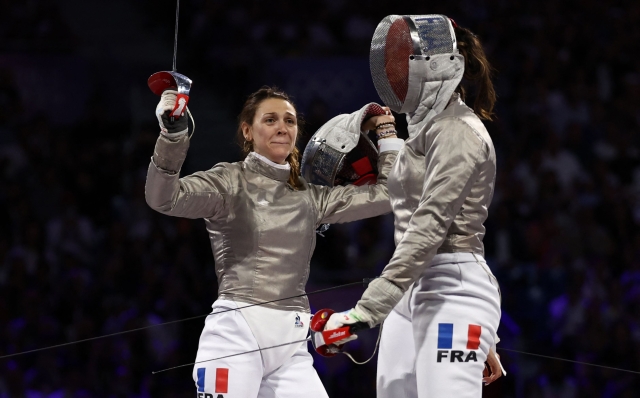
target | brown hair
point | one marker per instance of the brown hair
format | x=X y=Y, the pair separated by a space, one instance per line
x=249 y=112
x=477 y=70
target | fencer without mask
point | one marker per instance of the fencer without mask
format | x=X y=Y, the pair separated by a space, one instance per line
x=415 y=64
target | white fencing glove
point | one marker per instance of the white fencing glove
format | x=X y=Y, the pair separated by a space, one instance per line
x=340 y=319
x=180 y=125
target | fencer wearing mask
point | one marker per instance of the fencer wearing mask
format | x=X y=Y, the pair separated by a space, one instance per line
x=438 y=298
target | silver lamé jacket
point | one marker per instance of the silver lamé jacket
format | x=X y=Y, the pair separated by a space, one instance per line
x=262 y=231
x=440 y=189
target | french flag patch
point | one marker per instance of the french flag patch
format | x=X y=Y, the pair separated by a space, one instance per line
x=222 y=380
x=445 y=336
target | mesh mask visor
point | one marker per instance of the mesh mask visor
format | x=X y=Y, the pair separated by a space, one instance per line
x=399 y=39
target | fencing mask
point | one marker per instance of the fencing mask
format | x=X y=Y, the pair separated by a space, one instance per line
x=412 y=59
x=340 y=154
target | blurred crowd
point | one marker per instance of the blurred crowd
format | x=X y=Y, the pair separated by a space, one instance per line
x=82 y=255
x=34 y=25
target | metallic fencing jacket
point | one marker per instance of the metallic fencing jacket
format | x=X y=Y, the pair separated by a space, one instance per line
x=440 y=189
x=262 y=231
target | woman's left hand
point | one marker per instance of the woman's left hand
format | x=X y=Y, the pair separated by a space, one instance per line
x=494 y=371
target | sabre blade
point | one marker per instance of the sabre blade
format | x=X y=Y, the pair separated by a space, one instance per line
x=568 y=360
x=175 y=36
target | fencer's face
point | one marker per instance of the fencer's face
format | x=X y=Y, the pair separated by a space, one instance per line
x=274 y=129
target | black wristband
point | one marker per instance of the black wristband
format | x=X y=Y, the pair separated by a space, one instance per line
x=177 y=126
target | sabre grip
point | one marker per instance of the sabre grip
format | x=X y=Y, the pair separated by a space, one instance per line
x=325 y=342
x=181 y=105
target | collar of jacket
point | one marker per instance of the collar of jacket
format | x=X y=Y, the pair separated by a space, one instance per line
x=437 y=80
x=258 y=166
x=415 y=129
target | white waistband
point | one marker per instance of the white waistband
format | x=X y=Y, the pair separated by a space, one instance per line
x=446 y=258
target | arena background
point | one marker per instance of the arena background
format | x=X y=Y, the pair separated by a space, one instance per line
x=81 y=254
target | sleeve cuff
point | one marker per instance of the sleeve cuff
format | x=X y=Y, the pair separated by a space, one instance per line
x=174 y=137
x=169 y=155
x=378 y=301
x=390 y=144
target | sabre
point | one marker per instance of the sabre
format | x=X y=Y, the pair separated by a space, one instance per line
x=325 y=342
x=165 y=80
x=328 y=350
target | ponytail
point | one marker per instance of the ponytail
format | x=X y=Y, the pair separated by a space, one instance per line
x=478 y=71
x=294 y=162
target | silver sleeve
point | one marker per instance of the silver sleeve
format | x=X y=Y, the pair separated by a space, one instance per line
x=452 y=159
x=200 y=195
x=341 y=204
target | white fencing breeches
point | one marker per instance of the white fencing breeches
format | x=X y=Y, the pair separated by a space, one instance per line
x=286 y=374
x=435 y=342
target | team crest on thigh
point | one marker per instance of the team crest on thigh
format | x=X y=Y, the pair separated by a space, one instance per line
x=446 y=351
x=298 y=323
x=221 y=385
